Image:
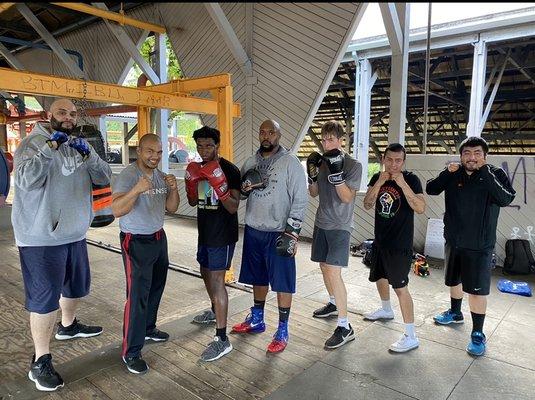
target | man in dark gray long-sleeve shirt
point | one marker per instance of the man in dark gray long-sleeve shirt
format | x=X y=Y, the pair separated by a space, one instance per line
x=51 y=214
x=274 y=183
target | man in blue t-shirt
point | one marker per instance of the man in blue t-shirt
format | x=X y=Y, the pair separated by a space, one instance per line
x=213 y=186
x=396 y=195
x=141 y=195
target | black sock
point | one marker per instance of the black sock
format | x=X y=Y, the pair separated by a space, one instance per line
x=477 y=322
x=259 y=304
x=456 y=305
x=213 y=309
x=222 y=333
x=284 y=314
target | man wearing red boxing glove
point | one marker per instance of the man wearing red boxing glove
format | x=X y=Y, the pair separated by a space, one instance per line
x=213 y=186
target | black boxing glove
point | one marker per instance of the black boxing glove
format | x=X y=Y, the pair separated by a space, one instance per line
x=314 y=161
x=286 y=243
x=335 y=161
x=250 y=181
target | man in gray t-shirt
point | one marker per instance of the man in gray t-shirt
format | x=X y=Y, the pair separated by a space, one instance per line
x=335 y=177
x=141 y=195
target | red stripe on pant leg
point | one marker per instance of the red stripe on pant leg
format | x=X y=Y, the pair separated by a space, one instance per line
x=127 y=304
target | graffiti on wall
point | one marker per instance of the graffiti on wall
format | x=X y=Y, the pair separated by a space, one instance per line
x=525 y=233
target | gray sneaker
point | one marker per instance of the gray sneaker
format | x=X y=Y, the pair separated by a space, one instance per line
x=206 y=317
x=216 y=349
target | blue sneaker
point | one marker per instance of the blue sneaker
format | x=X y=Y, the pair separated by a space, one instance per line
x=477 y=345
x=449 y=317
x=254 y=322
x=280 y=338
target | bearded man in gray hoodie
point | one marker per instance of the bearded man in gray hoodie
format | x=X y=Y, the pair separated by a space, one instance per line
x=54 y=172
x=275 y=185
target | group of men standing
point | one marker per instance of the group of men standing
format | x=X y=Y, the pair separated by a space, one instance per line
x=52 y=212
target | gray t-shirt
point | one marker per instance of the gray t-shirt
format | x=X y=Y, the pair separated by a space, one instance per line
x=148 y=212
x=332 y=213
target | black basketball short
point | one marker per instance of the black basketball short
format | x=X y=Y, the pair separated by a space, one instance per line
x=391 y=264
x=470 y=267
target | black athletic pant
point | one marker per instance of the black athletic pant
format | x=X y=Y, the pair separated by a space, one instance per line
x=145 y=263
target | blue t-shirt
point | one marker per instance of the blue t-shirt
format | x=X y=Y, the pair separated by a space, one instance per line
x=148 y=212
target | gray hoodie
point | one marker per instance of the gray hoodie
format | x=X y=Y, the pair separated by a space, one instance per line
x=52 y=202
x=285 y=195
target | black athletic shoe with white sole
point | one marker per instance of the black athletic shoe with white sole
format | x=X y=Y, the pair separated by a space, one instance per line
x=157 y=336
x=77 y=330
x=340 y=337
x=136 y=365
x=43 y=374
x=326 y=311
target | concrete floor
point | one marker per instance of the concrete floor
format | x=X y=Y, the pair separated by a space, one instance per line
x=439 y=369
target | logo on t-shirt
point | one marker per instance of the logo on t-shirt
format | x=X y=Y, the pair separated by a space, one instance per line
x=208 y=199
x=389 y=201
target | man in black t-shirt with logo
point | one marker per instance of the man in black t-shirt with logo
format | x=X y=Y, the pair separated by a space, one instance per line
x=213 y=186
x=396 y=194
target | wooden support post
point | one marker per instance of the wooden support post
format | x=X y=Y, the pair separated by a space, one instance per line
x=143 y=121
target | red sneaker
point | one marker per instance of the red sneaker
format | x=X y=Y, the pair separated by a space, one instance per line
x=280 y=339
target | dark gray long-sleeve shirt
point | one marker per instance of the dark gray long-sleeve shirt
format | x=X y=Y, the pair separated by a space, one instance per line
x=285 y=194
x=53 y=202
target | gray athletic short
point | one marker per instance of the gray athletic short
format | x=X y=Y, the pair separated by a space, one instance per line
x=330 y=246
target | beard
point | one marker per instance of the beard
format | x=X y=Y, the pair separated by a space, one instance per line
x=58 y=126
x=266 y=148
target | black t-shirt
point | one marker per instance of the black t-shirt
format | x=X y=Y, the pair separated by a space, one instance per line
x=217 y=227
x=394 y=217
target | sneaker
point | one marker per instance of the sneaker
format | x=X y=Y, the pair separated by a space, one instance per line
x=405 y=343
x=157 y=336
x=206 y=317
x=379 y=315
x=44 y=375
x=280 y=339
x=325 y=311
x=477 y=344
x=449 y=317
x=254 y=323
x=216 y=349
x=136 y=365
x=340 y=337
x=77 y=330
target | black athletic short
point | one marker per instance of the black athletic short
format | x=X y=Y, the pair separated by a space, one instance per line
x=470 y=267
x=391 y=264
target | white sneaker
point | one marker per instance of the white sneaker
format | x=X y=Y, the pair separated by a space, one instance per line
x=379 y=314
x=405 y=343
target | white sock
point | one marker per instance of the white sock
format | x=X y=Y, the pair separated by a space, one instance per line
x=386 y=305
x=332 y=300
x=343 y=322
x=409 y=330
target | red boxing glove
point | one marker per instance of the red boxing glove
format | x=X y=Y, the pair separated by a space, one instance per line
x=216 y=178
x=192 y=177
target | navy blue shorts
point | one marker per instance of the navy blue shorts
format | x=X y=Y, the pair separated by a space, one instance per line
x=260 y=264
x=215 y=258
x=51 y=271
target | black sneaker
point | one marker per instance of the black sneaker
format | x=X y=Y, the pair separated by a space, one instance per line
x=44 y=375
x=157 y=336
x=136 y=365
x=340 y=337
x=77 y=330
x=325 y=311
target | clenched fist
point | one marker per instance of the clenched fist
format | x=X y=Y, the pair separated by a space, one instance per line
x=170 y=181
x=143 y=184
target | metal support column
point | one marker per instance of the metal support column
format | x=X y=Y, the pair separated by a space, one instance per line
x=477 y=91
x=363 y=84
x=162 y=115
x=103 y=130
x=397 y=18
